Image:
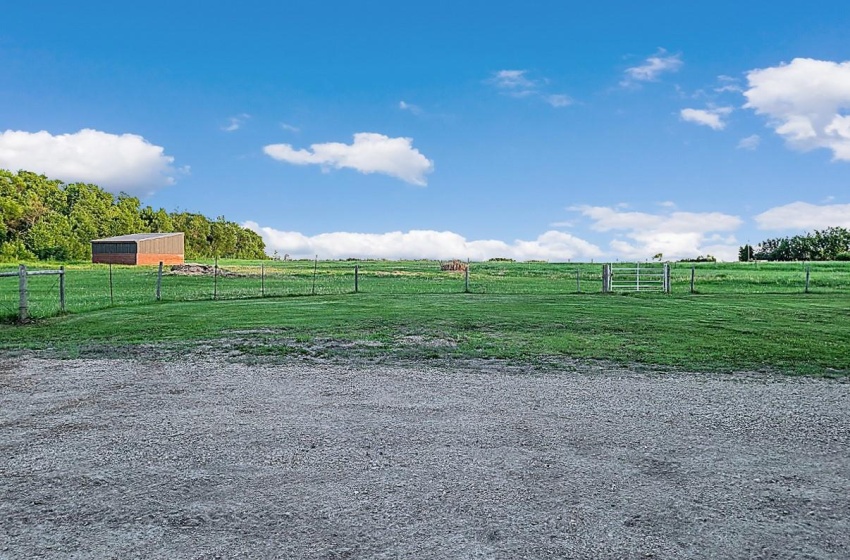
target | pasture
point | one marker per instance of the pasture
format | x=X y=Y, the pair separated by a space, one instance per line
x=752 y=316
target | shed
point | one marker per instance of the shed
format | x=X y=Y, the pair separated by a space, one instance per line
x=139 y=248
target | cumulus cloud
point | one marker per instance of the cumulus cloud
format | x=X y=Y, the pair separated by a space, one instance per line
x=806 y=102
x=674 y=234
x=423 y=244
x=652 y=68
x=750 y=142
x=125 y=162
x=369 y=153
x=804 y=216
x=712 y=117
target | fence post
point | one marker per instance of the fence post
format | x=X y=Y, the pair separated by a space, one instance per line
x=159 y=283
x=315 y=271
x=263 y=279
x=215 y=279
x=667 y=289
x=693 y=276
x=22 y=293
x=578 y=282
x=606 y=278
x=111 y=295
x=466 y=278
x=356 y=278
x=62 y=289
x=807 y=279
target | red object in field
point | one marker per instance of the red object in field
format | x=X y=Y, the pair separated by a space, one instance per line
x=139 y=249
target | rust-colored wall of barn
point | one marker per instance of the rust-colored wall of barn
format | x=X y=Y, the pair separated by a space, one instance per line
x=154 y=258
x=137 y=259
x=114 y=258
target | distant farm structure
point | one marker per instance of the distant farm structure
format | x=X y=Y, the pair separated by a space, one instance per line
x=139 y=249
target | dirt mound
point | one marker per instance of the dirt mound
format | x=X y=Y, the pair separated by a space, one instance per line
x=454 y=266
x=194 y=269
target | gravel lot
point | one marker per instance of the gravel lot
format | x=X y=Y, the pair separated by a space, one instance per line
x=212 y=459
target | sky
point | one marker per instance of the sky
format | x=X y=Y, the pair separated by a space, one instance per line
x=544 y=130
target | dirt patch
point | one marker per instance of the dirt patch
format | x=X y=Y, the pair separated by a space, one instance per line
x=193 y=269
x=454 y=266
x=207 y=459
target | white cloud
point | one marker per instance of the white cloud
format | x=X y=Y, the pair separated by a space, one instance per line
x=125 y=162
x=712 y=117
x=423 y=244
x=676 y=234
x=806 y=102
x=750 y=142
x=517 y=83
x=559 y=100
x=235 y=123
x=805 y=216
x=652 y=68
x=728 y=84
x=413 y=109
x=369 y=153
x=289 y=127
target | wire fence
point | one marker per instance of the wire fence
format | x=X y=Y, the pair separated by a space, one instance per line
x=97 y=286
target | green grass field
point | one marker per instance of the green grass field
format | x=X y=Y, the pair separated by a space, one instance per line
x=88 y=286
x=743 y=316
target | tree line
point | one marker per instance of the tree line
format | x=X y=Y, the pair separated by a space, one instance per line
x=831 y=244
x=45 y=219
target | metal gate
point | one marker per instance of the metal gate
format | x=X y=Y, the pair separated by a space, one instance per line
x=637 y=277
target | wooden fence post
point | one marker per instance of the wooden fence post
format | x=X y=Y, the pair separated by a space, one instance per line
x=62 y=289
x=356 y=278
x=111 y=295
x=315 y=271
x=22 y=293
x=262 y=279
x=159 y=282
x=466 y=278
x=606 y=278
x=807 y=278
x=693 y=276
x=215 y=279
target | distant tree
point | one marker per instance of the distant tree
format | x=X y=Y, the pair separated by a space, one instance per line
x=700 y=259
x=745 y=253
x=823 y=245
x=46 y=219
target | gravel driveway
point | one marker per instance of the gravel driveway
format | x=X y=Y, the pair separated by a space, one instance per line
x=212 y=459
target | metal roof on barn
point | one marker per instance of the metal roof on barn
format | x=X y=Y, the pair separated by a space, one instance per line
x=134 y=237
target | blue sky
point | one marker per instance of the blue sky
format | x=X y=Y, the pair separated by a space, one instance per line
x=542 y=130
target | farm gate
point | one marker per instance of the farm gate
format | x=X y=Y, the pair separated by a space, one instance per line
x=637 y=277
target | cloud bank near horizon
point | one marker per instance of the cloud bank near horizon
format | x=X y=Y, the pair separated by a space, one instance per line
x=424 y=244
x=674 y=234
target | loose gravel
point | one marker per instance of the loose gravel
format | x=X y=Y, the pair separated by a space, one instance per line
x=211 y=459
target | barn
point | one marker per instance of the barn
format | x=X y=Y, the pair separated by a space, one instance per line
x=139 y=248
